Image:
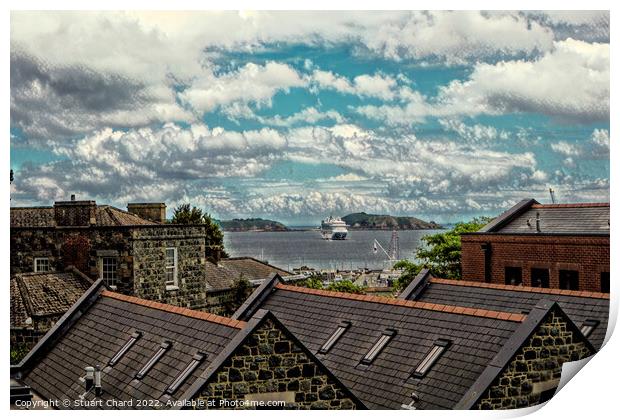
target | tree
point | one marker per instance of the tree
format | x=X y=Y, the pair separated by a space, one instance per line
x=185 y=214
x=346 y=286
x=441 y=253
x=240 y=290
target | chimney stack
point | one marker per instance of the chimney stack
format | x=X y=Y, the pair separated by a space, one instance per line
x=72 y=197
x=155 y=212
x=75 y=213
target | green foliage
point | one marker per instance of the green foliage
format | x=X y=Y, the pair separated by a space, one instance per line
x=241 y=290
x=185 y=214
x=312 y=283
x=18 y=352
x=441 y=253
x=346 y=286
x=411 y=270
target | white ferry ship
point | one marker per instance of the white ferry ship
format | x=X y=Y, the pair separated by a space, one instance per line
x=334 y=228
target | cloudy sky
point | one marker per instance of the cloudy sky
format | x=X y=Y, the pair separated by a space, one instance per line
x=292 y=116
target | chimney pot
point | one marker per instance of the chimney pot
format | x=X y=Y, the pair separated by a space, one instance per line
x=72 y=197
x=89 y=378
x=98 y=388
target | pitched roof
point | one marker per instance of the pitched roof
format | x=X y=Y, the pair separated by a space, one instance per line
x=476 y=336
x=224 y=274
x=579 y=306
x=577 y=218
x=105 y=327
x=44 y=294
x=44 y=217
x=102 y=322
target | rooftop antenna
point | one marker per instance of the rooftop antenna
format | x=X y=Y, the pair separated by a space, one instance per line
x=393 y=252
x=552 y=194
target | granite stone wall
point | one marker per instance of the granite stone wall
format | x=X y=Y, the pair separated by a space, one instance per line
x=270 y=366
x=532 y=376
x=140 y=252
x=149 y=266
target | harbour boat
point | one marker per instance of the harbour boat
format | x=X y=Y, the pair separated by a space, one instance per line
x=334 y=228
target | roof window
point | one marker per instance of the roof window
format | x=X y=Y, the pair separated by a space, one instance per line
x=158 y=354
x=588 y=326
x=335 y=336
x=429 y=360
x=119 y=355
x=198 y=358
x=387 y=335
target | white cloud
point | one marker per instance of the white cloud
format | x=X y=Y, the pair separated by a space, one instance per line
x=373 y=86
x=569 y=82
x=307 y=116
x=595 y=147
x=251 y=83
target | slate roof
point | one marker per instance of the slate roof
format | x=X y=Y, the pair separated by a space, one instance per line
x=313 y=315
x=224 y=274
x=578 y=218
x=106 y=326
x=101 y=323
x=44 y=217
x=44 y=294
x=579 y=306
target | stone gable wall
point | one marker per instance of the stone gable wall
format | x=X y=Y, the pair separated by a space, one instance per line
x=269 y=363
x=536 y=368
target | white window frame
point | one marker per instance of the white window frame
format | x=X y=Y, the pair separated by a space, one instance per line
x=114 y=282
x=175 y=269
x=37 y=260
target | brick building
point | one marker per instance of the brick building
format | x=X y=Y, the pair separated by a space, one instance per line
x=558 y=246
x=134 y=253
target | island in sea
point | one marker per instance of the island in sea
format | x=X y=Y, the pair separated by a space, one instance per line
x=364 y=221
x=254 y=224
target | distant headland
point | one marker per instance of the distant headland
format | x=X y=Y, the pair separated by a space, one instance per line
x=365 y=221
x=253 y=224
x=354 y=221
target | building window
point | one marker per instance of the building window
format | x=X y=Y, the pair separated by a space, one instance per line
x=158 y=355
x=109 y=271
x=569 y=280
x=41 y=265
x=132 y=340
x=379 y=346
x=513 y=276
x=588 y=326
x=335 y=337
x=540 y=277
x=439 y=347
x=196 y=360
x=171 y=268
x=605 y=282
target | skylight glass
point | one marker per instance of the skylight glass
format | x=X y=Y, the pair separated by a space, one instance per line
x=335 y=337
x=158 y=354
x=588 y=326
x=118 y=356
x=379 y=345
x=429 y=360
x=198 y=358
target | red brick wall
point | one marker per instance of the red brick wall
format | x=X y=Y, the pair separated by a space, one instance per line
x=587 y=254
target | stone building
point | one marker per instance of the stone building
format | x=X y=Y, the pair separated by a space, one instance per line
x=38 y=300
x=403 y=354
x=558 y=246
x=588 y=310
x=134 y=253
x=221 y=278
x=159 y=356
